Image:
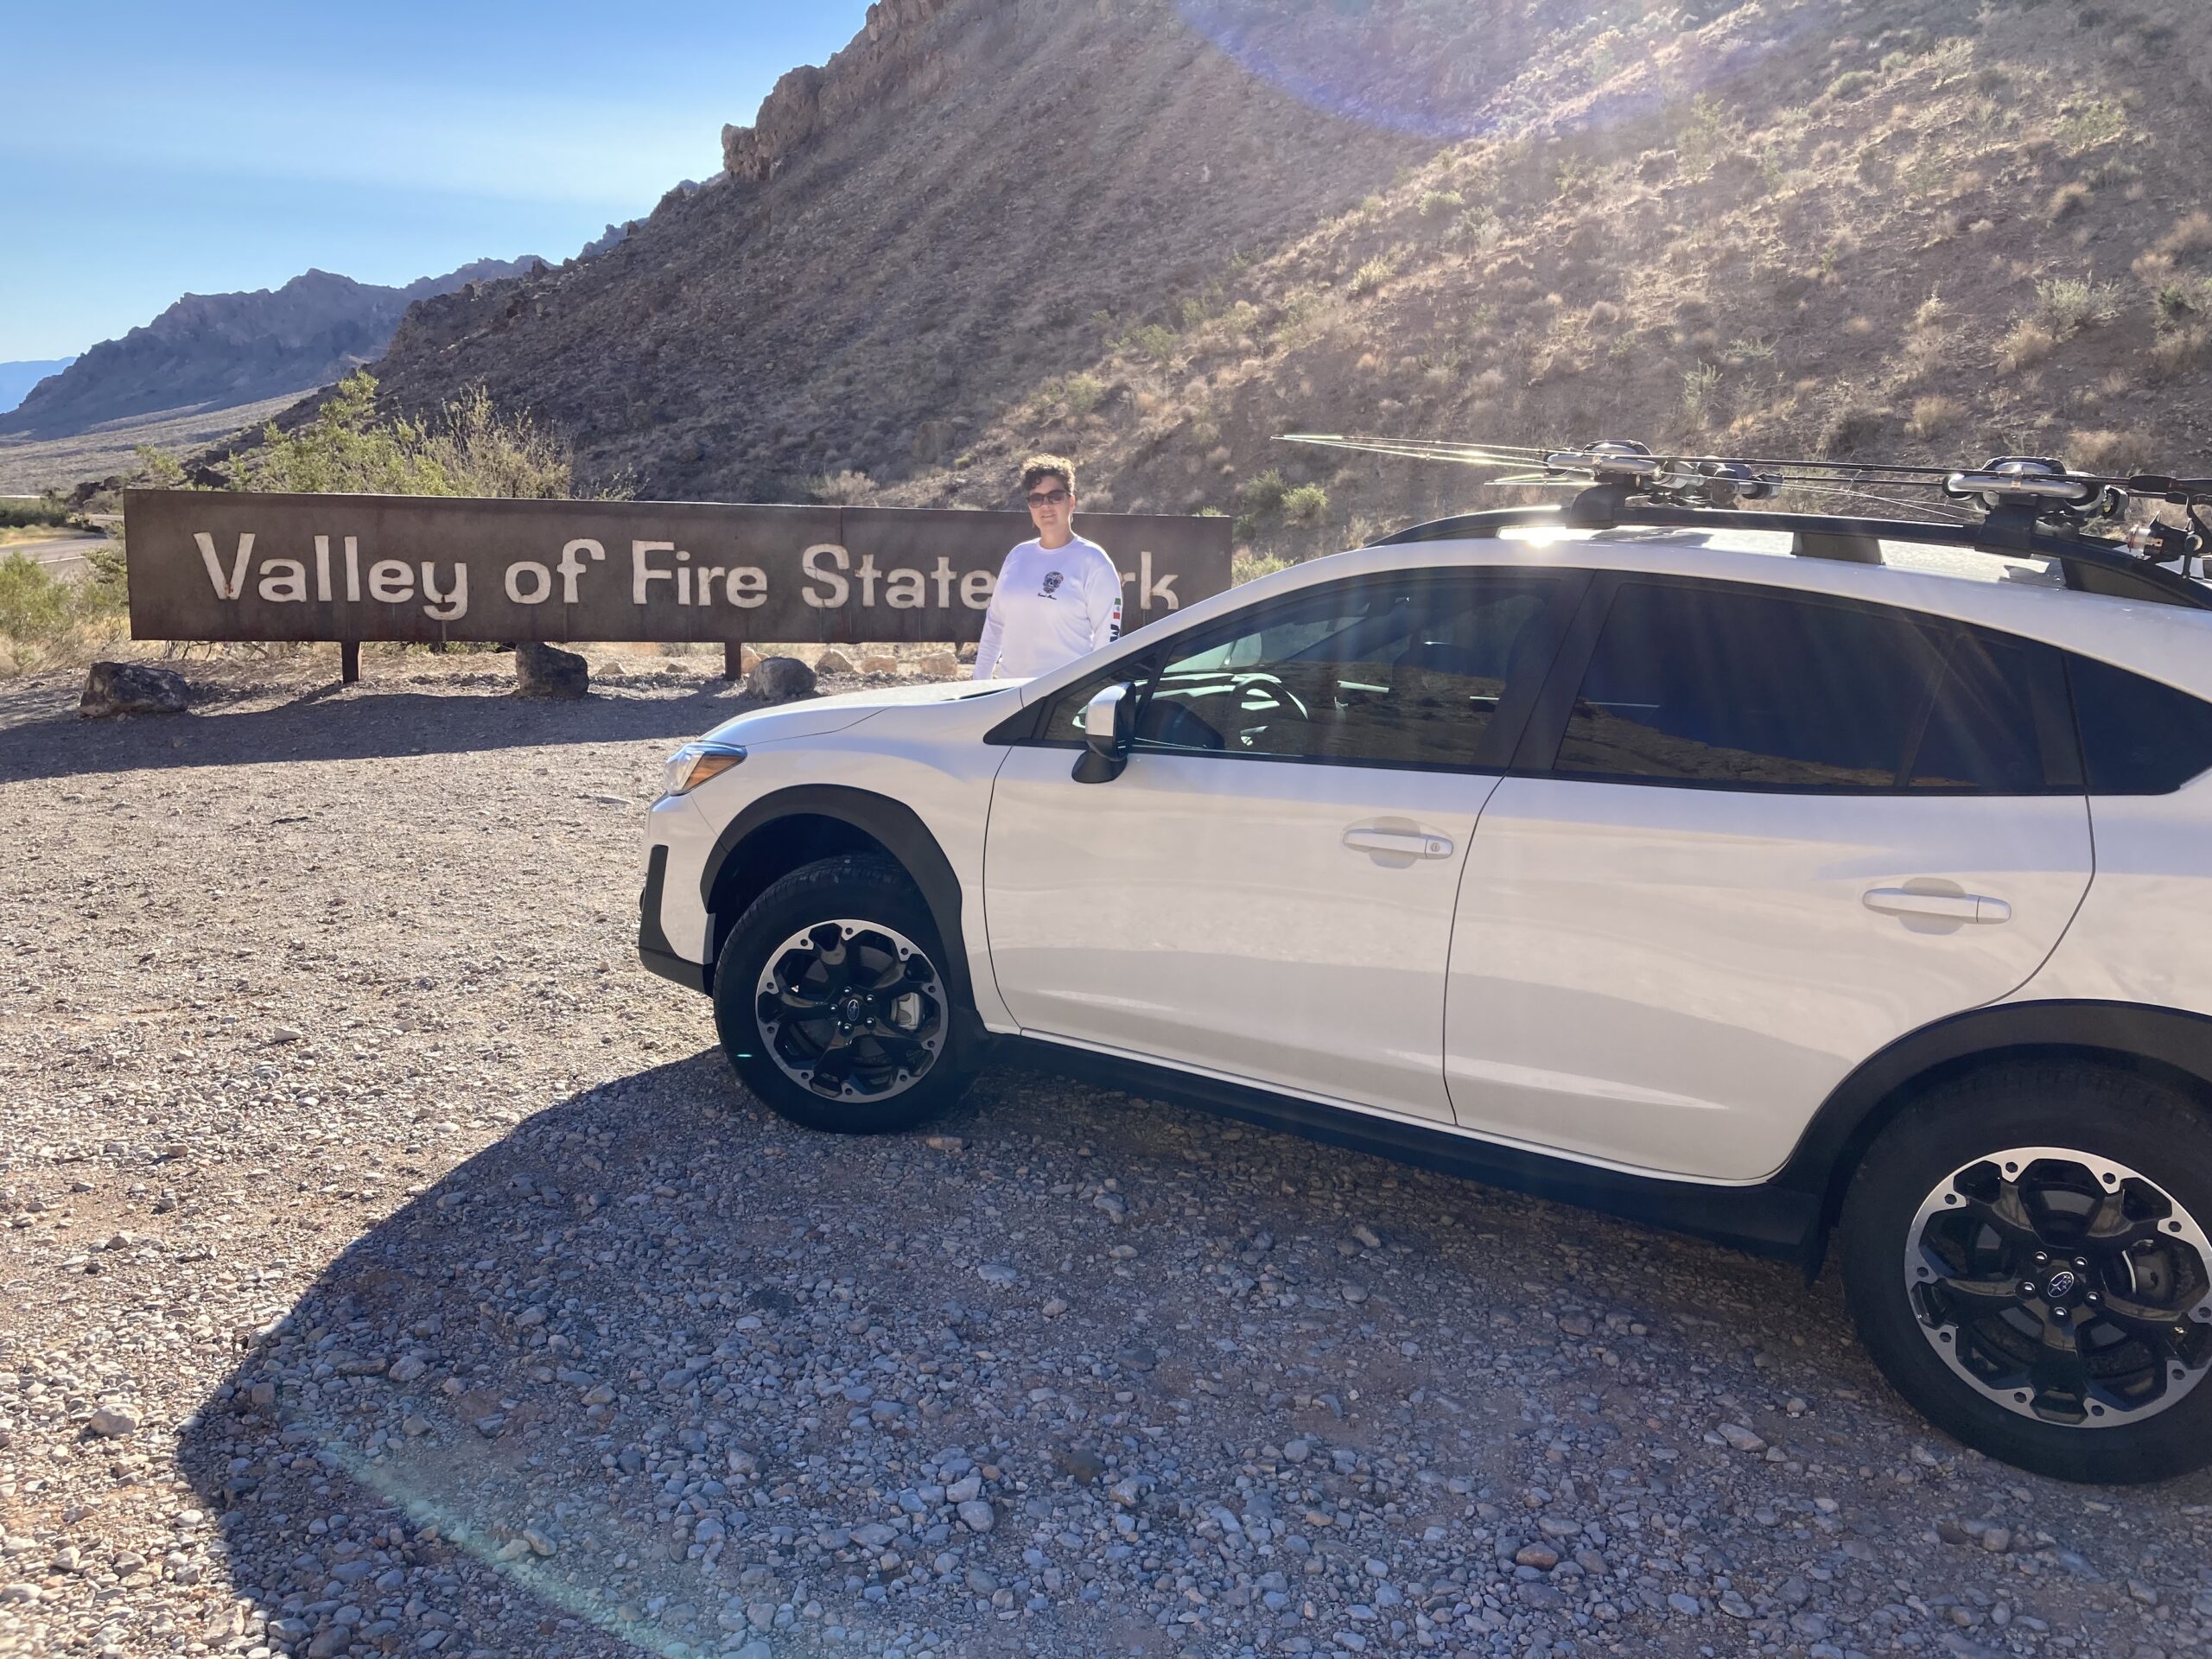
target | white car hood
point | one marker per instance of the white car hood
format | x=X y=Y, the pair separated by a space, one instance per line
x=818 y=716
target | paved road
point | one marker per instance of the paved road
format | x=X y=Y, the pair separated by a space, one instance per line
x=65 y=555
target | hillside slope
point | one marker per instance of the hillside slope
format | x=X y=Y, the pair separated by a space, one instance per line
x=1158 y=235
x=210 y=352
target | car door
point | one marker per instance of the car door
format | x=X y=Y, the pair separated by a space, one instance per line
x=1266 y=890
x=1751 y=837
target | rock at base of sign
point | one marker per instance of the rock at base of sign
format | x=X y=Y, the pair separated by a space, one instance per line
x=939 y=665
x=966 y=653
x=548 y=671
x=131 y=689
x=833 y=662
x=780 y=679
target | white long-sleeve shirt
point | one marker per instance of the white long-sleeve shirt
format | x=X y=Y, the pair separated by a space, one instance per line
x=1052 y=606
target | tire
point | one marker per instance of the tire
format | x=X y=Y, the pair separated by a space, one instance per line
x=2053 y=1309
x=832 y=1001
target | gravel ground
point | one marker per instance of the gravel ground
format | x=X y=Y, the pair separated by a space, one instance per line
x=391 y=1266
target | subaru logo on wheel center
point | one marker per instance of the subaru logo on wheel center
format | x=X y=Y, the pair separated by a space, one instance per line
x=2062 y=1283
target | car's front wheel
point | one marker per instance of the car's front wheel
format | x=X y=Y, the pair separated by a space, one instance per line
x=2025 y=1255
x=833 y=1004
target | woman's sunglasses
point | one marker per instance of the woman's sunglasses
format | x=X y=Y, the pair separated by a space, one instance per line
x=1049 y=498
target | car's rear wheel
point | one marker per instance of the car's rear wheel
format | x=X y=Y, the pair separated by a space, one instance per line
x=2025 y=1255
x=833 y=1002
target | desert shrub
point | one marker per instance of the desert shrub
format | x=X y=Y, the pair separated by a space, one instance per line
x=467 y=449
x=1153 y=340
x=1698 y=387
x=2178 y=350
x=1250 y=566
x=48 y=508
x=42 y=614
x=2066 y=305
x=1851 y=427
x=2191 y=234
x=1851 y=83
x=1371 y=276
x=2123 y=453
x=2098 y=123
x=1932 y=414
x=847 y=488
x=1442 y=204
x=1262 y=492
x=1078 y=394
x=2068 y=199
x=1308 y=504
x=2028 y=344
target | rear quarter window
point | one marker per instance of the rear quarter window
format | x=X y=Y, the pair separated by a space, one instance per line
x=2138 y=737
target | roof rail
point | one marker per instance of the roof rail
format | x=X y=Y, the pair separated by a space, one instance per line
x=2015 y=506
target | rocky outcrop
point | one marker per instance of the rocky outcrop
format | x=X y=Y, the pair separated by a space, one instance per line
x=809 y=98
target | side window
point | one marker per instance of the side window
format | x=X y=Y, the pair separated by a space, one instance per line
x=2138 y=737
x=1402 y=671
x=1064 y=719
x=1980 y=733
x=1761 y=691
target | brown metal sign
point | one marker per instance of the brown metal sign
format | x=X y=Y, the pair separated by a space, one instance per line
x=209 y=564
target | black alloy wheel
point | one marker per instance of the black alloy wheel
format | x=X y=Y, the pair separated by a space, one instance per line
x=834 y=1005
x=2025 y=1256
x=2066 y=1286
x=851 y=1010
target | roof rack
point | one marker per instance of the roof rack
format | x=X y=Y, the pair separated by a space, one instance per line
x=2015 y=506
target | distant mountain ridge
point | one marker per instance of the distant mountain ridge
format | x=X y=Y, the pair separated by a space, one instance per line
x=16 y=379
x=214 y=351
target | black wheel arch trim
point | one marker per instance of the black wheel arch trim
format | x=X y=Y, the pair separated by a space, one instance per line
x=2168 y=1042
x=893 y=824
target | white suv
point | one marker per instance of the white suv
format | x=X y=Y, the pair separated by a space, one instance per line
x=1752 y=894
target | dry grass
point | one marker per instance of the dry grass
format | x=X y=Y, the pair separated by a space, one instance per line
x=1933 y=415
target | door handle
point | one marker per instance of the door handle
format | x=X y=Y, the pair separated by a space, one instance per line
x=1943 y=906
x=1399 y=844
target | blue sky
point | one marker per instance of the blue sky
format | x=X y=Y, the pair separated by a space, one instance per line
x=175 y=150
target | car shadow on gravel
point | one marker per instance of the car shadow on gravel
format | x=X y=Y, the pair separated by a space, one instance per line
x=658 y=1371
x=317 y=726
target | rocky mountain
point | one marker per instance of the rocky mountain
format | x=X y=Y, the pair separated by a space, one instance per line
x=215 y=350
x=1158 y=232
x=18 y=379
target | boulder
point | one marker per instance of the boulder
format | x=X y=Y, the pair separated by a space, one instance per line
x=879 y=662
x=131 y=689
x=548 y=672
x=833 y=662
x=940 y=666
x=780 y=679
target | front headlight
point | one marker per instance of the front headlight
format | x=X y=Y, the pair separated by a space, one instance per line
x=695 y=763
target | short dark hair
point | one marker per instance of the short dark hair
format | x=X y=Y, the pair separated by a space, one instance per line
x=1037 y=469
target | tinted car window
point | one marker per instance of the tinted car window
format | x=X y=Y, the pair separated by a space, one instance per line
x=1980 y=732
x=1402 y=671
x=1705 y=685
x=2138 y=737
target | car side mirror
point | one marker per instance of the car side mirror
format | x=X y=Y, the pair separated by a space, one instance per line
x=1109 y=727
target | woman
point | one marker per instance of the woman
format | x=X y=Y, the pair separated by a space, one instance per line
x=1058 y=597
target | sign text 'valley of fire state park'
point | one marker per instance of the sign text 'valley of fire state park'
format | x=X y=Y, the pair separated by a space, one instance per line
x=220 y=565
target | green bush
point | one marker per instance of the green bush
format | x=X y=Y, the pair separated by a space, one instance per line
x=847 y=488
x=2067 y=304
x=1850 y=84
x=1262 y=492
x=1307 y=504
x=467 y=448
x=1371 y=276
x=1153 y=340
x=1442 y=204
x=23 y=515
